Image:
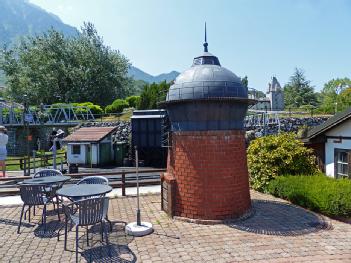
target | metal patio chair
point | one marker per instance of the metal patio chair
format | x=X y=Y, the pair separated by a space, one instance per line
x=87 y=212
x=33 y=195
x=94 y=180
x=97 y=180
x=47 y=172
x=51 y=190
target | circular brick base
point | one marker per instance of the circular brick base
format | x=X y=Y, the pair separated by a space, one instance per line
x=245 y=216
x=211 y=177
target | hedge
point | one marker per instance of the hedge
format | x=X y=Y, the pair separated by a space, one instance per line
x=318 y=193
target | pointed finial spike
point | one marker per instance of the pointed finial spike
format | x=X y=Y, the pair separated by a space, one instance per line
x=205 y=44
x=205 y=34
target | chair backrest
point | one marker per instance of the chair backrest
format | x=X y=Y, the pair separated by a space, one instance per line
x=33 y=194
x=89 y=211
x=47 y=172
x=94 y=180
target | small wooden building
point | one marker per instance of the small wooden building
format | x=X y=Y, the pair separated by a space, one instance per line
x=331 y=142
x=91 y=146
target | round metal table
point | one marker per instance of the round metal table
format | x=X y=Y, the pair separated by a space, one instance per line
x=47 y=180
x=84 y=190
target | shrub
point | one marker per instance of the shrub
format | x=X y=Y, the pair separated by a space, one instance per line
x=275 y=155
x=318 y=193
x=133 y=101
x=117 y=106
x=95 y=109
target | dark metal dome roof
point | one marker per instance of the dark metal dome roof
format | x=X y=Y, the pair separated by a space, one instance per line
x=206 y=79
x=207 y=97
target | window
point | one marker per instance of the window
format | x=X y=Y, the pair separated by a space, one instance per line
x=342 y=163
x=76 y=149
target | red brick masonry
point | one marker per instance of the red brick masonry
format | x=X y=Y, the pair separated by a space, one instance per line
x=210 y=170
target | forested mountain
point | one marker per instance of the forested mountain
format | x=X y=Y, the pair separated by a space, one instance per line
x=20 y=18
x=138 y=74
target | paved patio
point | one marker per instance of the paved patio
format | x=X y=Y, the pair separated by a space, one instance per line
x=276 y=232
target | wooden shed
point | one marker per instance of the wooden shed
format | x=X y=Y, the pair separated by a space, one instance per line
x=91 y=146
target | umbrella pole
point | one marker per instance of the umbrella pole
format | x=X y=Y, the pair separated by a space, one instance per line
x=138 y=228
x=137 y=177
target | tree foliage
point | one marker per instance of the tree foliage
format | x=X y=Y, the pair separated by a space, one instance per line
x=336 y=91
x=133 y=101
x=298 y=91
x=245 y=81
x=152 y=94
x=53 y=68
x=95 y=109
x=117 y=106
x=276 y=155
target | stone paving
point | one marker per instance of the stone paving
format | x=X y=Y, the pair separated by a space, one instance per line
x=276 y=232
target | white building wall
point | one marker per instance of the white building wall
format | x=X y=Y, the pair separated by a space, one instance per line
x=76 y=158
x=343 y=130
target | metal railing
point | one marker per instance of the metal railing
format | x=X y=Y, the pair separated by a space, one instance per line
x=13 y=114
x=9 y=185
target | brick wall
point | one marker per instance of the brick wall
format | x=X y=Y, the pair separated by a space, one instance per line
x=210 y=170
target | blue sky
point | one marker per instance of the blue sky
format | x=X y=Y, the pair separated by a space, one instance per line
x=257 y=38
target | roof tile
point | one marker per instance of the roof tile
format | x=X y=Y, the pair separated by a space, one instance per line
x=89 y=134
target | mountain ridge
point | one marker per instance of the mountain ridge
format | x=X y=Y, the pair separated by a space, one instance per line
x=20 y=18
x=139 y=74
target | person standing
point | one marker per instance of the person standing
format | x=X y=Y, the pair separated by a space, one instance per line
x=3 y=151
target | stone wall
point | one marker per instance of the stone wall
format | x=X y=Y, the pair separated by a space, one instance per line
x=17 y=145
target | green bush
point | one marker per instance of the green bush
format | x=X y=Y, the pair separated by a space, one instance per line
x=95 y=109
x=275 y=155
x=117 y=106
x=318 y=193
x=133 y=101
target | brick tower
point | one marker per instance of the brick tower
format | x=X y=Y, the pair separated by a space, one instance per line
x=207 y=177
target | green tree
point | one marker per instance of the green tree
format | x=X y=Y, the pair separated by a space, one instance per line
x=298 y=91
x=133 y=101
x=276 y=155
x=117 y=106
x=53 y=68
x=152 y=94
x=245 y=81
x=335 y=95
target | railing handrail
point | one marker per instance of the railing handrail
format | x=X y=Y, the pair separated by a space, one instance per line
x=79 y=175
x=123 y=183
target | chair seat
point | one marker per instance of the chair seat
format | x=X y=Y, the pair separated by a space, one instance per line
x=46 y=200
x=75 y=219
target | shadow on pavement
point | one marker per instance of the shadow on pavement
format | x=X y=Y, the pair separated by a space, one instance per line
x=281 y=219
x=111 y=253
x=11 y=222
x=116 y=251
x=50 y=230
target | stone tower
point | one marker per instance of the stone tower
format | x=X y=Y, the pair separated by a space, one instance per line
x=275 y=95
